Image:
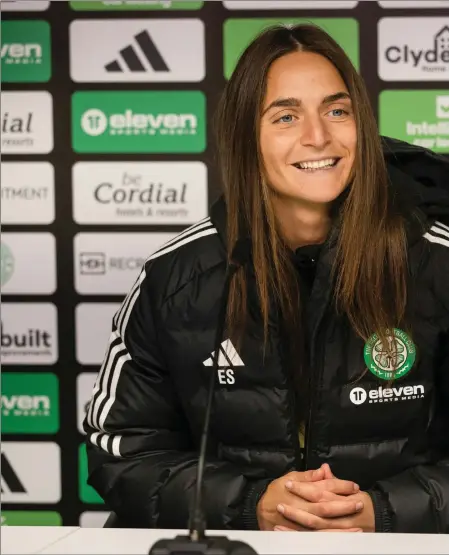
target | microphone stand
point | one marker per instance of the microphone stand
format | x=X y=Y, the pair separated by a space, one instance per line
x=197 y=543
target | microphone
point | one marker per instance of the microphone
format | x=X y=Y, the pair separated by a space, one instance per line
x=197 y=542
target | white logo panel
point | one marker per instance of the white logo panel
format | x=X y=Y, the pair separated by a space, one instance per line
x=27 y=193
x=84 y=386
x=109 y=263
x=24 y=5
x=29 y=333
x=136 y=50
x=93 y=519
x=406 y=4
x=31 y=472
x=413 y=49
x=161 y=193
x=28 y=263
x=93 y=327
x=27 y=122
x=288 y=4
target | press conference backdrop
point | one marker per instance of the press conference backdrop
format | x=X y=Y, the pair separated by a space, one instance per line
x=108 y=153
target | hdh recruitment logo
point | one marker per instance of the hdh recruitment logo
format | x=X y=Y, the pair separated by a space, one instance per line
x=25 y=51
x=418 y=117
x=138 y=121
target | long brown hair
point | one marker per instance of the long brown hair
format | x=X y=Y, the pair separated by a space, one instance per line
x=370 y=264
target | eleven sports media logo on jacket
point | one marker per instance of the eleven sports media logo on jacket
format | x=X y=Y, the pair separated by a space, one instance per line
x=418 y=117
x=139 y=121
x=25 y=51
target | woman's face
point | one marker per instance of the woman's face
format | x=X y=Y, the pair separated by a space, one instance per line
x=308 y=133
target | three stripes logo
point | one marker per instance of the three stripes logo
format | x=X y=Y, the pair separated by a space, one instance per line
x=134 y=57
x=10 y=482
x=438 y=233
x=228 y=358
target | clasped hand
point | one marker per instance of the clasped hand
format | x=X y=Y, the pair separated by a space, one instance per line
x=315 y=500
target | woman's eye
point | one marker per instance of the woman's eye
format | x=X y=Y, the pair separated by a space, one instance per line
x=340 y=111
x=288 y=118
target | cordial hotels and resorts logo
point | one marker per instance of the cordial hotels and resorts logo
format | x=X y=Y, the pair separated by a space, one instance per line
x=138 y=121
x=139 y=192
x=25 y=51
x=129 y=5
x=414 y=49
x=392 y=361
x=7 y=263
x=238 y=33
x=127 y=50
x=418 y=117
x=30 y=403
x=26 y=122
x=28 y=333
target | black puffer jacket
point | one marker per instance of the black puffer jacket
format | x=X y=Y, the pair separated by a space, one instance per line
x=147 y=410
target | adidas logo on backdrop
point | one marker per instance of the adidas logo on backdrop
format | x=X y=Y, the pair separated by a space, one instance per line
x=134 y=57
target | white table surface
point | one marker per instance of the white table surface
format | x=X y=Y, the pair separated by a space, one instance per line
x=17 y=540
x=28 y=540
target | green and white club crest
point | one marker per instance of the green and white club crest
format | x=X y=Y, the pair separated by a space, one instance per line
x=390 y=363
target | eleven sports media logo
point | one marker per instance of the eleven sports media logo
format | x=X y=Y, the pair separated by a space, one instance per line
x=139 y=121
x=388 y=364
x=29 y=403
x=25 y=51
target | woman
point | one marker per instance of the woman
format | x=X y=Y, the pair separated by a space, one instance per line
x=323 y=419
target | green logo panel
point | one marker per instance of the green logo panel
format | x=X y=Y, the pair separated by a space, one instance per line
x=139 y=121
x=25 y=50
x=418 y=117
x=137 y=5
x=30 y=403
x=31 y=518
x=87 y=493
x=7 y=263
x=238 y=33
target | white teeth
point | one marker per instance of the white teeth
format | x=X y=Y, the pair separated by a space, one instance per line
x=317 y=164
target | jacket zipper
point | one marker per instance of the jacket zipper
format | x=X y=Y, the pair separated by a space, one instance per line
x=312 y=394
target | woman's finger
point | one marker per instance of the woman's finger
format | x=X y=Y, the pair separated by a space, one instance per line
x=338 y=530
x=314 y=521
x=327 y=471
x=287 y=529
x=314 y=491
x=340 y=487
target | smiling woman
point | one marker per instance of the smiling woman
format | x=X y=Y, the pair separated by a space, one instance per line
x=316 y=296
